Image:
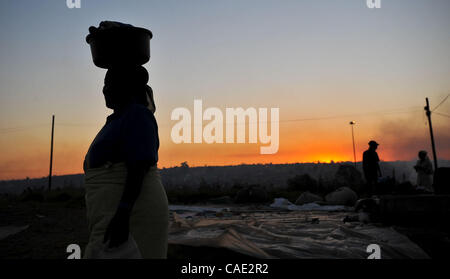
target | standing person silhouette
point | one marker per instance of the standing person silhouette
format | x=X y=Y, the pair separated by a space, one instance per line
x=126 y=203
x=424 y=170
x=371 y=167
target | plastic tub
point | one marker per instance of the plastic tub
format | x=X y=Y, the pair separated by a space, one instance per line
x=120 y=46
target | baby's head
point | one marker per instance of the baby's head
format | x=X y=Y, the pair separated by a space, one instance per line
x=126 y=84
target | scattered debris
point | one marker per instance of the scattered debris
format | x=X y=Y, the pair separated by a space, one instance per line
x=11 y=230
x=342 y=196
x=308 y=197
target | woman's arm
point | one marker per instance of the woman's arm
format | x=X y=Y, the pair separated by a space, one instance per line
x=135 y=177
x=139 y=146
x=118 y=229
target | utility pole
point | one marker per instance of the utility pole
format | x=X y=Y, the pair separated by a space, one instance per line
x=428 y=112
x=352 y=123
x=51 y=155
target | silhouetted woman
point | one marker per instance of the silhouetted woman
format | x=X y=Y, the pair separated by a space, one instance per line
x=125 y=199
x=424 y=170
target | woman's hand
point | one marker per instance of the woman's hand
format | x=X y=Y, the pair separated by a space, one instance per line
x=118 y=229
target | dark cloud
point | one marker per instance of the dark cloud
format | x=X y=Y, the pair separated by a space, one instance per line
x=403 y=138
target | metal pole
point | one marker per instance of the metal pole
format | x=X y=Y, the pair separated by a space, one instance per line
x=428 y=112
x=353 y=140
x=51 y=155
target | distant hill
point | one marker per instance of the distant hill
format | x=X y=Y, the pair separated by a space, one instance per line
x=267 y=175
x=60 y=181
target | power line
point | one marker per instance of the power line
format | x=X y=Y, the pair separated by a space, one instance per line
x=385 y=112
x=28 y=127
x=20 y=128
x=78 y=124
x=440 y=103
x=442 y=114
x=414 y=109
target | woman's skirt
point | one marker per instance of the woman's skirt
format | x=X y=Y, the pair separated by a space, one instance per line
x=149 y=218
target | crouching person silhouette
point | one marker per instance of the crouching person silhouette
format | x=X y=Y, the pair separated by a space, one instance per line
x=126 y=203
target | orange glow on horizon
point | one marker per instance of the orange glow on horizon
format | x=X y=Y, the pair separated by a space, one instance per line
x=26 y=154
x=71 y=161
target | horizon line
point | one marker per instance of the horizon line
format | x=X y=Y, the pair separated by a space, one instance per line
x=236 y=165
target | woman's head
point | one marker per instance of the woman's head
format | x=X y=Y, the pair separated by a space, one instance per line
x=422 y=154
x=125 y=85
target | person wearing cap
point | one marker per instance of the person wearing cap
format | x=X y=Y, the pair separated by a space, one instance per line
x=371 y=167
x=424 y=170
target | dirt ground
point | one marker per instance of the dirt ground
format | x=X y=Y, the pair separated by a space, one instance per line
x=52 y=226
x=55 y=225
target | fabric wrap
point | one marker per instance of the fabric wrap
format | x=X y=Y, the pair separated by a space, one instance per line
x=150 y=216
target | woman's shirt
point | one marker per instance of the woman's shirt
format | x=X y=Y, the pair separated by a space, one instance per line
x=129 y=135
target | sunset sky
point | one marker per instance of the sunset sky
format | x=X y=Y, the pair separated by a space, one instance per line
x=323 y=63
